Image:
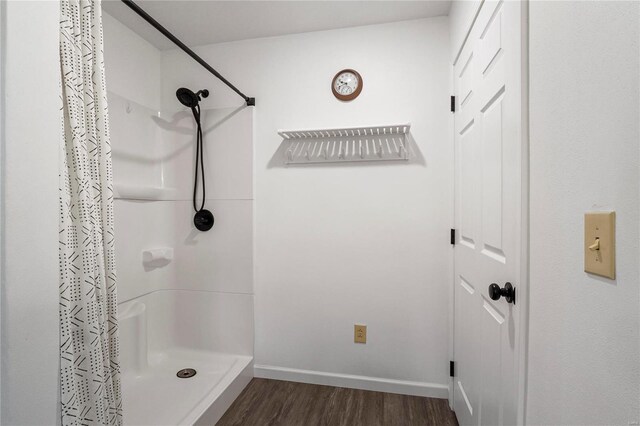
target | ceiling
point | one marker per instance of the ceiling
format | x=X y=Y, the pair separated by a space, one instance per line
x=198 y=23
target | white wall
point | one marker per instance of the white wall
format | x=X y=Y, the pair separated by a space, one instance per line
x=346 y=244
x=30 y=221
x=584 y=93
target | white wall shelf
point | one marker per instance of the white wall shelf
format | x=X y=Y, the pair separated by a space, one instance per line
x=141 y=192
x=368 y=143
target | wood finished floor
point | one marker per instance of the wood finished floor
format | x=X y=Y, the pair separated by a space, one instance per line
x=277 y=403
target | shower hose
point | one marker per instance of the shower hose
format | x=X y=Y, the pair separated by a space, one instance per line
x=199 y=161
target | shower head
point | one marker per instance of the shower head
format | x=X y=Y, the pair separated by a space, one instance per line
x=190 y=99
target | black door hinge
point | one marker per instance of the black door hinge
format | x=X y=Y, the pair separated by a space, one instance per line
x=453 y=237
x=453 y=104
x=452 y=370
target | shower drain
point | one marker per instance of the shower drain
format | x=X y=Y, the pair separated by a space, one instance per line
x=186 y=373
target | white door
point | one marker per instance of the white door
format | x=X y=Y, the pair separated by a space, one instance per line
x=489 y=197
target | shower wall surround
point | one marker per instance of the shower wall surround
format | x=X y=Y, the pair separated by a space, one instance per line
x=154 y=151
x=338 y=245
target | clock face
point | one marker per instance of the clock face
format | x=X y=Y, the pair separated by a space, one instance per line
x=347 y=85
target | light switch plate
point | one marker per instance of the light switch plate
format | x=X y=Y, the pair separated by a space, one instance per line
x=600 y=244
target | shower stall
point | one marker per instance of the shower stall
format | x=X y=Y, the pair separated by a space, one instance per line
x=185 y=296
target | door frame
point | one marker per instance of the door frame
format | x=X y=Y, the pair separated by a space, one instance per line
x=523 y=284
x=3 y=50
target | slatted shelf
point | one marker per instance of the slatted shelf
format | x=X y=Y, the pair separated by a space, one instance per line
x=370 y=143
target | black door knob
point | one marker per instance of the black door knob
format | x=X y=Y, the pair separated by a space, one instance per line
x=508 y=292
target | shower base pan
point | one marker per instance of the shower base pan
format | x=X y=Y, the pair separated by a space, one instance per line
x=157 y=396
x=165 y=332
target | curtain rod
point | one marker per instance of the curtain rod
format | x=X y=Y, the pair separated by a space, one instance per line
x=137 y=9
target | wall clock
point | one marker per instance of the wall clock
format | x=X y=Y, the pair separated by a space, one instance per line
x=346 y=85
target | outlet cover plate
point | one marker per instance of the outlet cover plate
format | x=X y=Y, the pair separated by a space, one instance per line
x=600 y=227
x=359 y=333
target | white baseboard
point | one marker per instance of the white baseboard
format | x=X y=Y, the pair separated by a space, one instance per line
x=403 y=387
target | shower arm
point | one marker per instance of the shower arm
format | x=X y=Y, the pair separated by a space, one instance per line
x=137 y=9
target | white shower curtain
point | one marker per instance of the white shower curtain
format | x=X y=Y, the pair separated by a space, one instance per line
x=89 y=368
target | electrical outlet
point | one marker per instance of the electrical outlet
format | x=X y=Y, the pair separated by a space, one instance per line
x=359 y=333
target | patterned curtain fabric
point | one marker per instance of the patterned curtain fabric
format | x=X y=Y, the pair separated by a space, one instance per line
x=89 y=366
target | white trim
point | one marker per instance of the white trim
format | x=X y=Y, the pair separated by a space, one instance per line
x=523 y=341
x=377 y=384
x=3 y=50
x=452 y=251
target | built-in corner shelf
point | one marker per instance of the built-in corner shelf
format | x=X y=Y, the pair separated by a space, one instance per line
x=370 y=143
x=140 y=192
